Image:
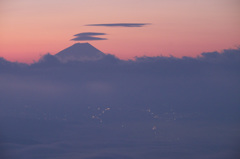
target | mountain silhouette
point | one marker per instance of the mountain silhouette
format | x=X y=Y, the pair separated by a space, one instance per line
x=80 y=52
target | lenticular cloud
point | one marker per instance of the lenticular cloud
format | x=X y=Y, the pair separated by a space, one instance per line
x=121 y=24
x=88 y=36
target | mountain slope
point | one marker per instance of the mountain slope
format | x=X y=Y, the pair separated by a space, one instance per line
x=80 y=52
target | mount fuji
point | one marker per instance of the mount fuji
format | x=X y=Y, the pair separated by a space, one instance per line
x=80 y=52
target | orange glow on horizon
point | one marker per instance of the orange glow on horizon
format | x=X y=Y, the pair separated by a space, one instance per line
x=30 y=29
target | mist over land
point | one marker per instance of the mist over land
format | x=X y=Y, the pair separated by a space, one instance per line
x=90 y=105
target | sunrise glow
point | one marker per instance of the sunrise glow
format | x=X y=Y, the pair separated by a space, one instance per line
x=30 y=29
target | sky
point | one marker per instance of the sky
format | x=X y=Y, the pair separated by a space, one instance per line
x=30 y=29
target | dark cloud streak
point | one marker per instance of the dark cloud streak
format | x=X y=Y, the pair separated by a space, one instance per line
x=120 y=24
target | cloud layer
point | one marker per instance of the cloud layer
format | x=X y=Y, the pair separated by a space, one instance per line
x=150 y=107
x=121 y=24
x=88 y=36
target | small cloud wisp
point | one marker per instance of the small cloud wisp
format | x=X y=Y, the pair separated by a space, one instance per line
x=120 y=24
x=88 y=36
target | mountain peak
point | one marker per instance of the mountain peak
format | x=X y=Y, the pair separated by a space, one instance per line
x=81 y=44
x=80 y=52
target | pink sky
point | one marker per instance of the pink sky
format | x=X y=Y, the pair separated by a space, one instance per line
x=29 y=29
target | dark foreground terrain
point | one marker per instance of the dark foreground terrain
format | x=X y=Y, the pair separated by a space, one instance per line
x=153 y=107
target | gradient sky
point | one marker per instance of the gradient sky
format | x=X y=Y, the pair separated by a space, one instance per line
x=29 y=29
